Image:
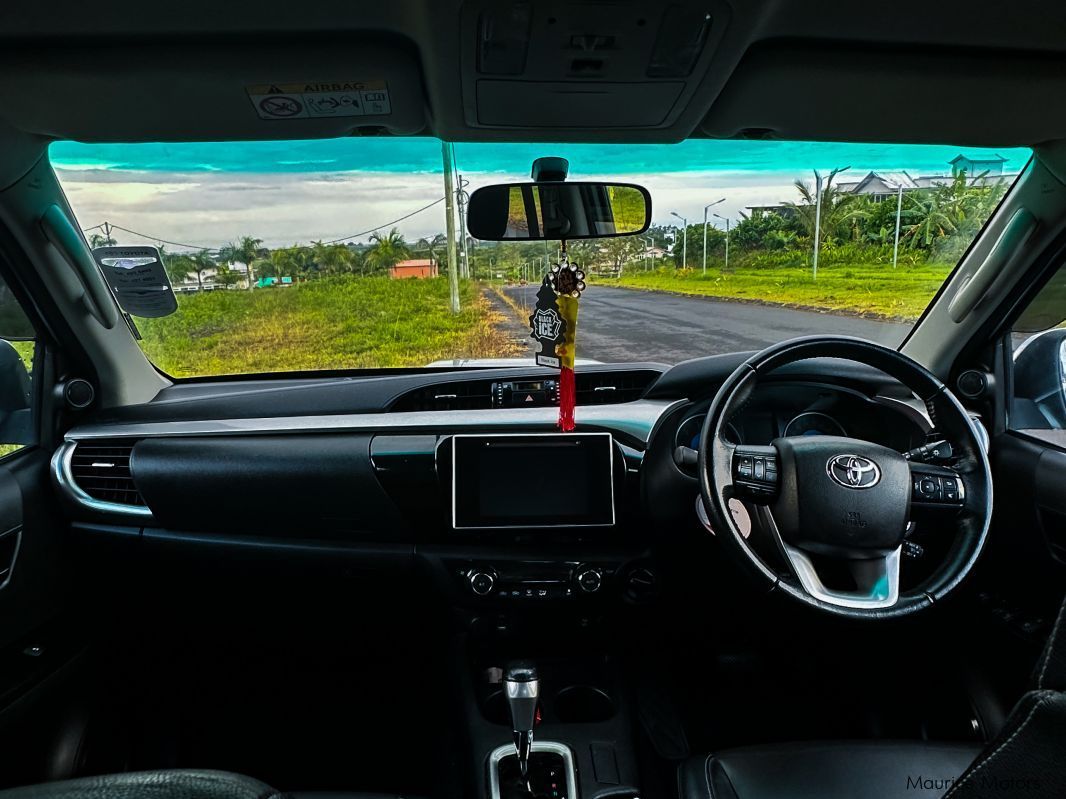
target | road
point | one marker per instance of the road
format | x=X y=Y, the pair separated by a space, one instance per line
x=616 y=324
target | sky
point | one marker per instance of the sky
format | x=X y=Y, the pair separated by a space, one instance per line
x=207 y=194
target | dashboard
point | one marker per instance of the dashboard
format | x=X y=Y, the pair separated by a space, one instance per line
x=435 y=468
x=800 y=408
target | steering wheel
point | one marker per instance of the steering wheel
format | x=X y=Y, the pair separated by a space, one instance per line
x=836 y=505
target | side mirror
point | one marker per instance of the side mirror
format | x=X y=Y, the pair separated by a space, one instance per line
x=558 y=210
x=1040 y=381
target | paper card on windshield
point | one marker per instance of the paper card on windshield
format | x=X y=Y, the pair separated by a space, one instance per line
x=138 y=280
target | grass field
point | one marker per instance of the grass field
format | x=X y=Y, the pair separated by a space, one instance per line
x=862 y=288
x=343 y=322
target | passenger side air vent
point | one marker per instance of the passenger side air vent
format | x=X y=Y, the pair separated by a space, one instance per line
x=467 y=395
x=609 y=388
x=102 y=470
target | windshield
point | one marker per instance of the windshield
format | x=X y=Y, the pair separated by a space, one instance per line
x=335 y=254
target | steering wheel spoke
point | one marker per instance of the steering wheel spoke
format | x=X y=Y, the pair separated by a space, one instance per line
x=876 y=579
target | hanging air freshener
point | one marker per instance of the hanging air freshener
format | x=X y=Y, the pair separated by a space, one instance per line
x=554 y=324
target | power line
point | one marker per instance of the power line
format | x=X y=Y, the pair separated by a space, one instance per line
x=164 y=241
x=387 y=224
x=299 y=246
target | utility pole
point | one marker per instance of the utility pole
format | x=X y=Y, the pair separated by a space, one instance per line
x=709 y=205
x=726 y=220
x=461 y=196
x=899 y=211
x=684 y=240
x=449 y=213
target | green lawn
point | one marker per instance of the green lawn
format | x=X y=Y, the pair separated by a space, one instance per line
x=345 y=322
x=862 y=288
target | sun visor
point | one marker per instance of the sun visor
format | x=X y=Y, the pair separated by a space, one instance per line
x=813 y=91
x=211 y=90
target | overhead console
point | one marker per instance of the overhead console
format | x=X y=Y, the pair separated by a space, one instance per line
x=572 y=65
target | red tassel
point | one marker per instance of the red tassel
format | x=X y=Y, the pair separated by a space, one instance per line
x=567 y=399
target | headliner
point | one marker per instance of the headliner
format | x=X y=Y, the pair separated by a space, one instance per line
x=832 y=70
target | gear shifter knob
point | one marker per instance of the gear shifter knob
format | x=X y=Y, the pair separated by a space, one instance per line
x=522 y=688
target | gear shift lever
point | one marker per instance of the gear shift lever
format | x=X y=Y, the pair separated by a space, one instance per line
x=523 y=690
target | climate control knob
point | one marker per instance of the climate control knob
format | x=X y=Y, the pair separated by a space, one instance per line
x=481 y=581
x=589 y=580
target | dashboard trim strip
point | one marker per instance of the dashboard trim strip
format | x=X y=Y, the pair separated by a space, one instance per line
x=635 y=419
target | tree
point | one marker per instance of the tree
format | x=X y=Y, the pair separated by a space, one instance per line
x=621 y=250
x=177 y=267
x=245 y=251
x=100 y=240
x=838 y=208
x=332 y=258
x=432 y=246
x=201 y=262
x=766 y=231
x=387 y=251
x=227 y=277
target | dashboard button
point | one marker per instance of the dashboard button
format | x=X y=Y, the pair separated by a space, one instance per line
x=590 y=580
x=481 y=582
x=744 y=466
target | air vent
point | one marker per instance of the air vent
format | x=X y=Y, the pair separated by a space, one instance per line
x=609 y=388
x=468 y=395
x=102 y=470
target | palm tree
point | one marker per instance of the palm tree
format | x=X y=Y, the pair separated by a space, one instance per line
x=387 y=251
x=433 y=245
x=177 y=267
x=200 y=263
x=838 y=208
x=245 y=251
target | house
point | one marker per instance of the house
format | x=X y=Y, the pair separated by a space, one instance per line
x=880 y=186
x=975 y=166
x=416 y=267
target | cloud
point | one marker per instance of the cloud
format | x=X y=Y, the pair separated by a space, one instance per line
x=209 y=209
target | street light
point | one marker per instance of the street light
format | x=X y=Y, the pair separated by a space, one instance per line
x=709 y=205
x=651 y=243
x=684 y=240
x=726 y=240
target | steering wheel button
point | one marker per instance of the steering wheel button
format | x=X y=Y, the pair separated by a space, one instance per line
x=760 y=469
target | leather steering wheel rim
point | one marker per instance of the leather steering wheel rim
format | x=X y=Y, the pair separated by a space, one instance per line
x=950 y=421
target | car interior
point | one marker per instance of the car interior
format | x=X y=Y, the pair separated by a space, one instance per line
x=403 y=582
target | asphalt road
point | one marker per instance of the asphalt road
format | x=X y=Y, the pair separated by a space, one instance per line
x=617 y=325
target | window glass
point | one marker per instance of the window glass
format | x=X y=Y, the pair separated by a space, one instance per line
x=334 y=254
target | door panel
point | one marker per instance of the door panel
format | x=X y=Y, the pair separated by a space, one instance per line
x=38 y=646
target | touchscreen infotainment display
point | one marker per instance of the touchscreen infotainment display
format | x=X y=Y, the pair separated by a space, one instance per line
x=544 y=480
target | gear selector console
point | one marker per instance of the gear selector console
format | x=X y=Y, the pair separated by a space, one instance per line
x=550 y=773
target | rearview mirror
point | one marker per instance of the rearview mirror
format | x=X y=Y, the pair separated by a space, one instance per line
x=555 y=211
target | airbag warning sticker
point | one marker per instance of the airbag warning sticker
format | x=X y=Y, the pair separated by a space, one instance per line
x=320 y=99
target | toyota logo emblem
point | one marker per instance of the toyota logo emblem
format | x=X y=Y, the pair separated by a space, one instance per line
x=853 y=471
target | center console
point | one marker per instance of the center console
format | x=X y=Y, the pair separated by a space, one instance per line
x=582 y=738
x=540 y=544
